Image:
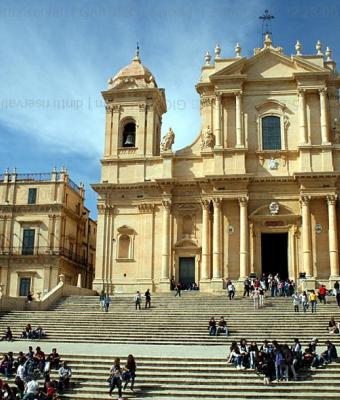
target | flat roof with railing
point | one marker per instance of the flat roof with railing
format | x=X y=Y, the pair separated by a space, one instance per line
x=41 y=177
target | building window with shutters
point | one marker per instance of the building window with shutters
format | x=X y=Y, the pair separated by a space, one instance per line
x=32 y=196
x=28 y=242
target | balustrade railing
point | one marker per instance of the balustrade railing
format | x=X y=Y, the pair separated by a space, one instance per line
x=43 y=251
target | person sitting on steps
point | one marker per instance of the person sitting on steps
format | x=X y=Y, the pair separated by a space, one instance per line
x=222 y=327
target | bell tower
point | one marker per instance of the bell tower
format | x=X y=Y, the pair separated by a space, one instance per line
x=134 y=109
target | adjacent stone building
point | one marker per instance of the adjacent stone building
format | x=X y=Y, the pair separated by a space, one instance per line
x=45 y=232
x=255 y=193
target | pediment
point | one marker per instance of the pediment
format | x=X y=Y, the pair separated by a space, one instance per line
x=268 y=63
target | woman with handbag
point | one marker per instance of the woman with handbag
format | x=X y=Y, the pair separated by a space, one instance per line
x=116 y=378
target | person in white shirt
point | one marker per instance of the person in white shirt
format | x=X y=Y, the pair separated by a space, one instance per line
x=231 y=290
x=138 y=300
x=32 y=388
x=65 y=374
x=21 y=372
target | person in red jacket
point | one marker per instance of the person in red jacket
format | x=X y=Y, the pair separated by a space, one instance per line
x=322 y=294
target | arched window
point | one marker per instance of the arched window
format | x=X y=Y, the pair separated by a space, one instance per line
x=129 y=135
x=271 y=133
x=124 y=246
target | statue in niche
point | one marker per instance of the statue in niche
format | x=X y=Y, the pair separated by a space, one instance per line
x=168 y=140
x=207 y=139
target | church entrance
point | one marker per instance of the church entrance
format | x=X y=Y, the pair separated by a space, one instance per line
x=186 y=271
x=274 y=251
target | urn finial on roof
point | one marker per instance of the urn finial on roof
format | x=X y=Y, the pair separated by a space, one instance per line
x=298 y=48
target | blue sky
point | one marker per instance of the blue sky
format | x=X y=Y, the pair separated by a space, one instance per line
x=56 y=57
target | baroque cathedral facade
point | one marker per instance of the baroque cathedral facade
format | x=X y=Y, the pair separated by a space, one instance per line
x=256 y=192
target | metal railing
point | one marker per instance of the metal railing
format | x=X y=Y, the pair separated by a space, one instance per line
x=43 y=251
x=40 y=176
x=73 y=185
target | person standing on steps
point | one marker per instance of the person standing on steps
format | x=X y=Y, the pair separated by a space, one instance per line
x=312 y=298
x=178 y=289
x=138 y=300
x=107 y=302
x=296 y=301
x=116 y=378
x=102 y=300
x=147 y=299
x=246 y=285
x=256 y=298
x=231 y=290
x=129 y=372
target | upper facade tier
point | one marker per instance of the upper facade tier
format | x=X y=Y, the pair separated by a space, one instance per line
x=266 y=115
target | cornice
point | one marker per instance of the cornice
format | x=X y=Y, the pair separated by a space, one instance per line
x=31 y=208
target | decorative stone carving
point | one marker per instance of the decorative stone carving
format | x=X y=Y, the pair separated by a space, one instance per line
x=146 y=208
x=168 y=140
x=273 y=164
x=318 y=228
x=207 y=139
x=274 y=208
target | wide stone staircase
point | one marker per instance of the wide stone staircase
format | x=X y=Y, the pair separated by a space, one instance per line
x=183 y=321
x=172 y=320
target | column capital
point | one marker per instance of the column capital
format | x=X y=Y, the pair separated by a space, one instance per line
x=101 y=209
x=217 y=201
x=305 y=200
x=323 y=91
x=205 y=204
x=238 y=93
x=218 y=95
x=243 y=201
x=166 y=204
x=301 y=92
x=332 y=199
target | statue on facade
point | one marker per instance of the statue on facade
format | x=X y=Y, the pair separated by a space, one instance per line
x=168 y=140
x=207 y=139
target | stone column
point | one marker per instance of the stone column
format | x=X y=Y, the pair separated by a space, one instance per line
x=165 y=241
x=244 y=242
x=333 y=236
x=205 y=240
x=302 y=117
x=306 y=236
x=217 y=239
x=108 y=131
x=100 y=279
x=323 y=116
x=218 y=120
x=239 y=138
